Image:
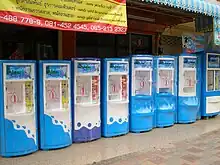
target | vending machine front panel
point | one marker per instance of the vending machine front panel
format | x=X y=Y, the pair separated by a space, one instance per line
x=87 y=120
x=189 y=89
x=55 y=114
x=211 y=99
x=20 y=127
x=166 y=90
x=141 y=98
x=115 y=103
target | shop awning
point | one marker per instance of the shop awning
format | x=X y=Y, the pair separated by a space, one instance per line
x=197 y=6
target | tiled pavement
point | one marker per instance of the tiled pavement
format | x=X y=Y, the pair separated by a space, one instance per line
x=204 y=150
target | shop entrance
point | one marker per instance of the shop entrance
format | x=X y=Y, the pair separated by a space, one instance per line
x=29 y=43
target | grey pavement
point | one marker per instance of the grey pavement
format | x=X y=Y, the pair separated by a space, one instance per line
x=160 y=141
x=202 y=150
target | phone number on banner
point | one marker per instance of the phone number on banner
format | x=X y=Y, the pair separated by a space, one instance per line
x=89 y=27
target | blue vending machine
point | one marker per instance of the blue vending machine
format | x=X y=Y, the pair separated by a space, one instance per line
x=54 y=104
x=165 y=95
x=210 y=84
x=141 y=94
x=18 y=121
x=86 y=96
x=188 y=88
x=115 y=95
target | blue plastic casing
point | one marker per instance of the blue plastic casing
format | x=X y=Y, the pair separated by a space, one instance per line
x=115 y=96
x=189 y=88
x=54 y=112
x=141 y=104
x=165 y=94
x=210 y=84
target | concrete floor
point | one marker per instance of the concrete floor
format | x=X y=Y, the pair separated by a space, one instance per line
x=87 y=153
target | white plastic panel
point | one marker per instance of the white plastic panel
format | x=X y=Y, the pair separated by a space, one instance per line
x=83 y=89
x=212 y=104
x=118 y=88
x=165 y=81
x=53 y=95
x=187 y=75
x=143 y=82
x=19 y=98
x=87 y=89
x=114 y=88
x=189 y=82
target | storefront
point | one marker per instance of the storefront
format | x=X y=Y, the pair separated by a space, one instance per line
x=147 y=21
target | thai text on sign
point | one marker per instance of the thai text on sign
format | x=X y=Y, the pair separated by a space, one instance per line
x=102 y=16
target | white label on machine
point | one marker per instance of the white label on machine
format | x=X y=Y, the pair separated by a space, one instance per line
x=19 y=97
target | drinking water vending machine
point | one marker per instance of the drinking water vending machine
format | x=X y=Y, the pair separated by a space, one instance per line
x=86 y=94
x=165 y=94
x=210 y=84
x=114 y=99
x=189 y=88
x=141 y=93
x=18 y=121
x=54 y=104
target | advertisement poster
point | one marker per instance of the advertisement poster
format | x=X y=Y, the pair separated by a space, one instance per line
x=193 y=43
x=102 y=16
x=216 y=31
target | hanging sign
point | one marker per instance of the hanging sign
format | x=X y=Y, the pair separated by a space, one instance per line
x=103 y=16
x=216 y=31
x=193 y=43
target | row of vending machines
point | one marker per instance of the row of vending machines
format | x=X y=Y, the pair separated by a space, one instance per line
x=50 y=104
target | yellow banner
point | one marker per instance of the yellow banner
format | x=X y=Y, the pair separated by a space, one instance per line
x=104 y=16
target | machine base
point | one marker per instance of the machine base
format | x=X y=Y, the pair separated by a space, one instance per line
x=17 y=154
x=210 y=115
x=54 y=136
x=141 y=122
x=187 y=115
x=47 y=148
x=85 y=135
x=116 y=129
x=165 y=118
x=17 y=143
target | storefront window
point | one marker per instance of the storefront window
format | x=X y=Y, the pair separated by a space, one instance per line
x=22 y=42
x=141 y=44
x=108 y=45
